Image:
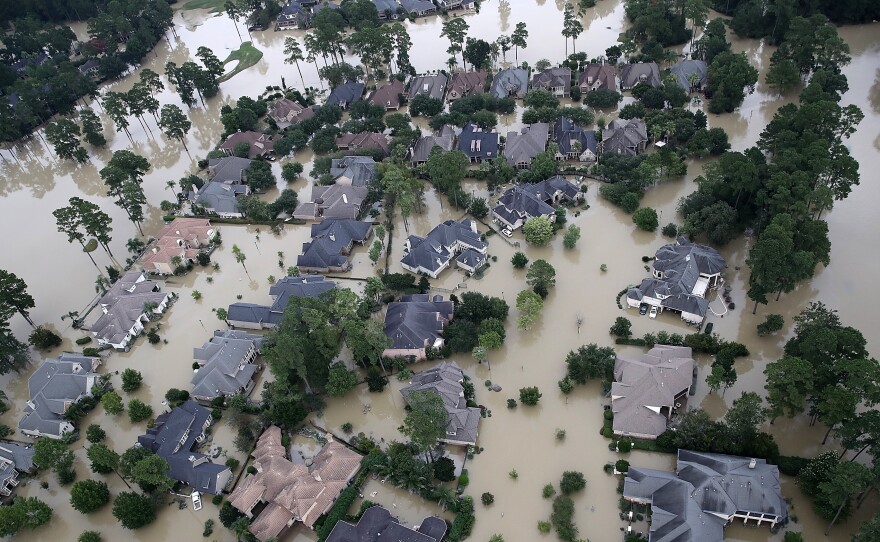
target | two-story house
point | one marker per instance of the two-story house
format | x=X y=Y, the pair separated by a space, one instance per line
x=435 y=252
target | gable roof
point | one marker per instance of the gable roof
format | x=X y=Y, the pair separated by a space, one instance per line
x=334 y=201
x=624 y=136
x=388 y=95
x=223 y=357
x=421 y=151
x=433 y=86
x=346 y=93
x=219 y=197
x=378 y=525
x=530 y=200
x=353 y=170
x=417 y=6
x=288 y=113
x=684 y=69
x=417 y=320
x=436 y=249
x=522 y=147
x=566 y=132
x=510 y=82
x=467 y=84
x=602 y=75
x=641 y=72
x=258 y=143
x=552 y=78
x=123 y=305
x=53 y=386
x=446 y=381
x=331 y=241
x=365 y=140
x=302 y=286
x=477 y=143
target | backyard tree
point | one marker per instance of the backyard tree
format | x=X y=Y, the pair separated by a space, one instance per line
x=538 y=230
x=646 y=219
x=174 y=123
x=27 y=512
x=572 y=482
x=54 y=455
x=789 y=383
x=131 y=380
x=541 y=276
x=260 y=176
x=290 y=171
x=745 y=417
x=572 y=234
x=86 y=496
x=151 y=473
x=529 y=395
x=444 y=469
x=529 y=305
x=848 y=479
x=112 y=403
x=366 y=339
x=133 y=510
x=772 y=324
x=14 y=297
x=425 y=423
x=138 y=411
x=103 y=459
x=455 y=30
x=622 y=327
x=340 y=380
x=723 y=375
x=519 y=260
x=590 y=362
x=64 y=134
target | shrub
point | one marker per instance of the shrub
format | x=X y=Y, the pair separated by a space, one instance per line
x=376 y=381
x=463 y=480
x=511 y=403
x=83 y=340
x=176 y=397
x=625 y=446
x=217 y=500
x=622 y=328
x=566 y=385
x=544 y=526
x=572 y=481
x=91 y=352
x=94 y=433
x=529 y=396
x=513 y=474
x=112 y=402
x=572 y=234
x=487 y=498
x=622 y=465
x=444 y=469
x=772 y=324
x=251 y=469
x=86 y=496
x=209 y=526
x=89 y=536
x=560 y=434
x=670 y=230
x=519 y=260
x=42 y=338
x=138 y=411
x=646 y=219
x=232 y=463
x=347 y=427
x=548 y=491
x=196 y=295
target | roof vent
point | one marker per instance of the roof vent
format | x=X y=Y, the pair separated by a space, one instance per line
x=753 y=463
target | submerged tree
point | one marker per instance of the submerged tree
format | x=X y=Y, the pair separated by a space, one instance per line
x=425 y=423
x=174 y=123
x=64 y=134
x=14 y=297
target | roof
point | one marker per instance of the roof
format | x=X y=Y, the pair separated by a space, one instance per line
x=566 y=132
x=467 y=83
x=552 y=78
x=292 y=491
x=303 y=286
x=531 y=200
x=53 y=386
x=385 y=5
x=378 y=525
x=353 y=170
x=477 y=143
x=416 y=320
x=346 y=93
x=644 y=386
x=388 y=95
x=221 y=198
x=259 y=143
x=123 y=305
x=624 y=136
x=182 y=239
x=331 y=241
x=174 y=437
x=510 y=82
x=446 y=380
x=694 y=503
x=288 y=113
x=441 y=244
x=334 y=201
x=433 y=86
x=642 y=72
x=602 y=74
x=223 y=359
x=417 y=6
x=522 y=147
x=687 y=68
x=229 y=169
x=444 y=139
x=365 y=140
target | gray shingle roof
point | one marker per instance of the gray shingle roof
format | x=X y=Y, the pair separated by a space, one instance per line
x=421 y=151
x=416 y=320
x=224 y=369
x=220 y=197
x=417 y=6
x=510 y=82
x=123 y=304
x=378 y=525
x=684 y=69
x=624 y=136
x=566 y=132
x=477 y=143
x=354 y=170
x=599 y=76
x=442 y=244
x=433 y=86
x=643 y=72
x=523 y=146
x=446 y=380
x=303 y=286
x=530 y=200
x=331 y=241
x=346 y=94
x=551 y=78
x=53 y=386
x=334 y=201
x=229 y=169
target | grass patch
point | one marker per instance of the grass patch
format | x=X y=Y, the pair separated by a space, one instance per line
x=247 y=55
x=214 y=6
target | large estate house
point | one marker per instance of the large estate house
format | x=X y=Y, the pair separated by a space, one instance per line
x=522 y=202
x=510 y=83
x=645 y=73
x=253 y=316
x=420 y=151
x=478 y=144
x=626 y=137
x=378 y=525
x=432 y=86
x=179 y=243
x=556 y=81
x=388 y=95
x=690 y=74
x=339 y=201
x=416 y=323
x=706 y=493
x=287 y=113
x=346 y=94
x=226 y=365
x=522 y=147
x=219 y=196
x=15 y=458
x=434 y=253
x=353 y=170
x=57 y=384
x=446 y=380
x=648 y=391
x=465 y=84
x=573 y=142
x=126 y=307
x=596 y=77
x=682 y=273
x=258 y=144
x=332 y=241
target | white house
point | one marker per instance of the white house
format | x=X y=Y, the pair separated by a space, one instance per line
x=434 y=253
x=127 y=306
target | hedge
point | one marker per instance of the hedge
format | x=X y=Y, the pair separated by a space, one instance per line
x=339 y=510
x=791 y=464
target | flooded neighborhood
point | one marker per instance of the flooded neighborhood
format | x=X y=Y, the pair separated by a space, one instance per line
x=333 y=353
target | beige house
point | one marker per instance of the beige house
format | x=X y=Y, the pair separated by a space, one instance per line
x=182 y=239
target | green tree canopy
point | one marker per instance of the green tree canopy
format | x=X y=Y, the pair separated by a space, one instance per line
x=425 y=423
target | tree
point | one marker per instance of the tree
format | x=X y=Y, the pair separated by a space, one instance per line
x=722 y=375
x=541 y=276
x=572 y=482
x=54 y=455
x=810 y=44
x=94 y=433
x=174 y=123
x=622 y=327
x=92 y=129
x=151 y=473
x=455 y=30
x=112 y=402
x=86 y=496
x=646 y=219
x=529 y=395
x=540 y=98
x=116 y=108
x=572 y=234
x=89 y=536
x=744 y=417
x=14 y=297
x=590 y=362
x=519 y=260
x=13 y=353
x=529 y=305
x=444 y=469
x=240 y=257
x=43 y=338
x=518 y=38
x=538 y=230
x=24 y=512
x=64 y=134
x=477 y=53
x=290 y=171
x=446 y=169
x=138 y=411
x=425 y=423
x=730 y=75
x=366 y=340
x=772 y=324
x=847 y=479
x=340 y=380
x=133 y=510
x=869 y=531
x=131 y=380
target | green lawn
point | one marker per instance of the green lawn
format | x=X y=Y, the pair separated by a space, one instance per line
x=247 y=55
x=214 y=6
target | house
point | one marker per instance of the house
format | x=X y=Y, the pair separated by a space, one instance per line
x=520 y=203
x=57 y=384
x=522 y=147
x=446 y=380
x=554 y=80
x=421 y=150
x=706 y=493
x=365 y=140
x=418 y=8
x=470 y=260
x=346 y=94
x=258 y=144
x=387 y=9
x=648 y=391
x=432 y=86
x=252 y=316
x=221 y=199
x=287 y=113
x=573 y=141
x=293 y=15
x=477 y=144
x=14 y=458
x=681 y=274
x=416 y=323
x=646 y=73
x=466 y=84
x=321 y=5
x=690 y=74
x=332 y=241
x=434 y=253
x=334 y=201
x=175 y=437
x=627 y=137
x=448 y=4
x=510 y=83
x=598 y=76
x=229 y=169
x=283 y=491
x=388 y=95
x=226 y=365
x=378 y=525
x=126 y=306
x=353 y=170
x=90 y=69
x=183 y=238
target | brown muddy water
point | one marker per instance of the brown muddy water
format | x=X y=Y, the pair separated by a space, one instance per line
x=521 y=439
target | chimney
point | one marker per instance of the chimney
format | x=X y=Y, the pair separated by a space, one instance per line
x=332 y=236
x=344 y=198
x=753 y=463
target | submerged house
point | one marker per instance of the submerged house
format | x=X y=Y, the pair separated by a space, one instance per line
x=648 y=391
x=421 y=149
x=682 y=273
x=645 y=73
x=287 y=113
x=14 y=458
x=465 y=84
x=127 y=305
x=219 y=196
x=706 y=493
x=226 y=365
x=378 y=525
x=522 y=202
x=175 y=438
x=334 y=201
x=253 y=316
x=346 y=94
x=626 y=137
x=258 y=144
x=416 y=323
x=556 y=81
x=573 y=141
x=478 y=144
x=353 y=170
x=690 y=74
x=365 y=140
x=510 y=83
x=434 y=253
x=522 y=147
x=293 y=15
x=418 y=8
x=388 y=95
x=183 y=239
x=446 y=380
x=56 y=385
x=596 y=77
x=332 y=241
x=284 y=491
x=432 y=86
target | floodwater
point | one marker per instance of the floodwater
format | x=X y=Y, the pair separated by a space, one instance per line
x=521 y=439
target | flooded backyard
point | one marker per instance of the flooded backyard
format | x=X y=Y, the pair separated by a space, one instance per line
x=61 y=280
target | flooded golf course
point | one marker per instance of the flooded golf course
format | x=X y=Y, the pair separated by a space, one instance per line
x=61 y=279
